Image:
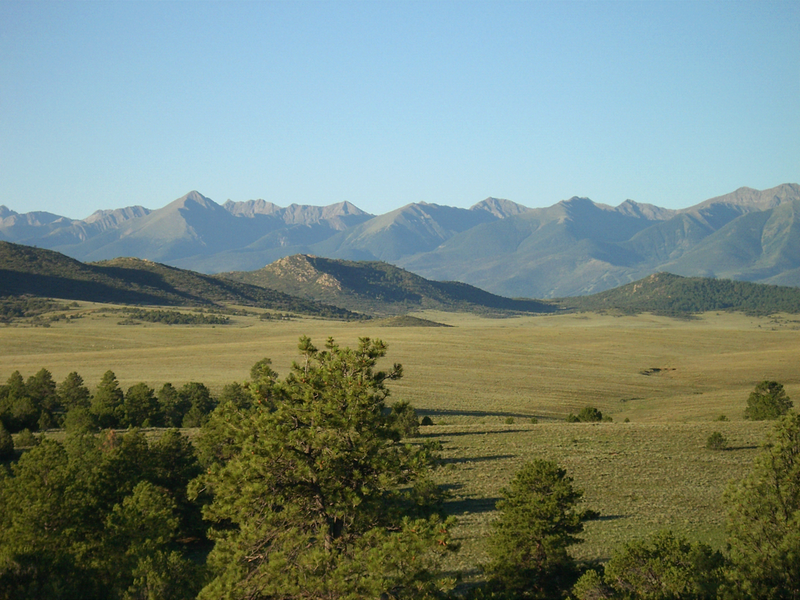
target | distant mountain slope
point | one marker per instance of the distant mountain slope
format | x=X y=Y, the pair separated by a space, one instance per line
x=578 y=247
x=34 y=271
x=411 y=229
x=375 y=287
x=544 y=252
x=665 y=293
x=191 y=232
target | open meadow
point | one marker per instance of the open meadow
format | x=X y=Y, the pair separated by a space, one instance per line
x=482 y=381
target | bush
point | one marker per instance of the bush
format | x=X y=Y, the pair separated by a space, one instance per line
x=534 y=421
x=590 y=414
x=767 y=401
x=426 y=421
x=716 y=441
x=509 y=420
x=26 y=439
x=404 y=419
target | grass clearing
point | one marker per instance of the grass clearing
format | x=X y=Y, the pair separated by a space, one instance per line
x=672 y=378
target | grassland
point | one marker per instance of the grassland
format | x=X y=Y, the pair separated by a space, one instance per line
x=672 y=378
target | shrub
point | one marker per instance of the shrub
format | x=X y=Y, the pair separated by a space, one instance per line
x=426 y=421
x=404 y=419
x=509 y=420
x=716 y=441
x=589 y=414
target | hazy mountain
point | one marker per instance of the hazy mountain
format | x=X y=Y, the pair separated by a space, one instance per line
x=579 y=247
x=375 y=287
x=38 y=272
x=412 y=229
x=573 y=247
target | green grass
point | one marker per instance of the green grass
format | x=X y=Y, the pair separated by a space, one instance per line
x=672 y=379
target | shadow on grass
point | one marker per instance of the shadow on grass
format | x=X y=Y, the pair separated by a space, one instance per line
x=448 y=434
x=732 y=448
x=469 y=459
x=470 y=413
x=470 y=505
x=609 y=518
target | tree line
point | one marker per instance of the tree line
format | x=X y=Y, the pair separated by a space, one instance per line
x=38 y=403
x=304 y=487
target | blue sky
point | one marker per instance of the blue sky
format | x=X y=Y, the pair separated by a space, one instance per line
x=110 y=104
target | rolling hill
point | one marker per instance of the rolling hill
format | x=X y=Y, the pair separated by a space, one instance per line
x=376 y=288
x=44 y=273
x=669 y=294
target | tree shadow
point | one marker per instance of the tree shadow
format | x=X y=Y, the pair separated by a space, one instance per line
x=470 y=413
x=609 y=518
x=469 y=459
x=470 y=505
x=448 y=434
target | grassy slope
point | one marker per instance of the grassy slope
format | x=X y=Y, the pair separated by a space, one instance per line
x=648 y=474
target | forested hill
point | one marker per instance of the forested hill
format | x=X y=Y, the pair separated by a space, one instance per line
x=377 y=287
x=25 y=270
x=665 y=293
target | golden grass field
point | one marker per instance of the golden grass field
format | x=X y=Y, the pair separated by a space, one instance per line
x=672 y=378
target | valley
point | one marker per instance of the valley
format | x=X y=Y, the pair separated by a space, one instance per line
x=482 y=380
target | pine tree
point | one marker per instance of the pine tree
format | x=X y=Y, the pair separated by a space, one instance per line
x=764 y=520
x=73 y=393
x=310 y=497
x=538 y=521
x=767 y=401
x=140 y=407
x=107 y=402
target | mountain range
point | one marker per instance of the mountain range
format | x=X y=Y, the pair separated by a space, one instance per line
x=574 y=247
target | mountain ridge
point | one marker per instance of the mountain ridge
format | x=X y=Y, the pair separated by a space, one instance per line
x=573 y=247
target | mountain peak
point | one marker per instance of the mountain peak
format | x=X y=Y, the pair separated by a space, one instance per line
x=499 y=207
x=645 y=211
x=194 y=197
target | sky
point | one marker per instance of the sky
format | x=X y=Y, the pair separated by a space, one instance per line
x=112 y=104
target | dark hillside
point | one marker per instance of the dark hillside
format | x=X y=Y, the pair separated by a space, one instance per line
x=665 y=293
x=36 y=272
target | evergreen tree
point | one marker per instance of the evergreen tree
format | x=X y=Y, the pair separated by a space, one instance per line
x=308 y=500
x=17 y=410
x=140 y=407
x=6 y=443
x=41 y=389
x=538 y=520
x=86 y=519
x=767 y=401
x=73 y=393
x=198 y=397
x=764 y=520
x=664 y=567
x=172 y=406
x=107 y=402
